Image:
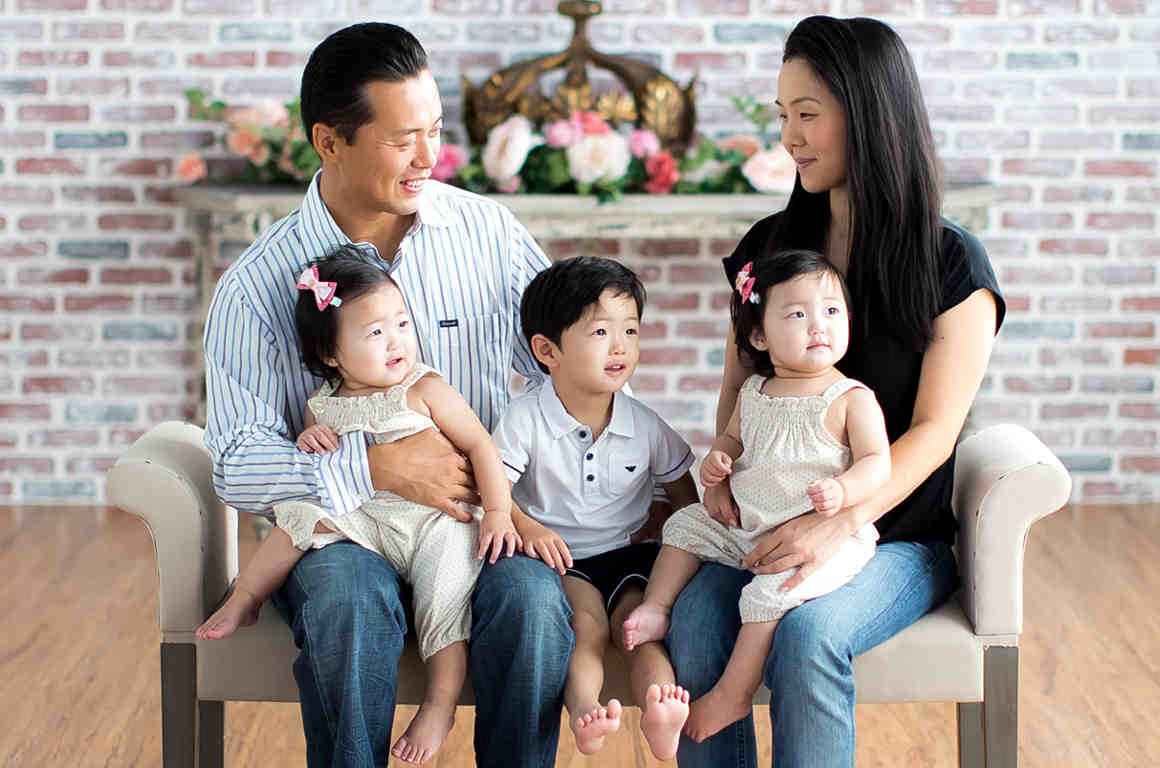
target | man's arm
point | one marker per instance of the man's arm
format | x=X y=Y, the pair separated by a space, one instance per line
x=527 y=261
x=256 y=463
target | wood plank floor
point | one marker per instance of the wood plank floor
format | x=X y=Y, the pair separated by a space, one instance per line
x=79 y=656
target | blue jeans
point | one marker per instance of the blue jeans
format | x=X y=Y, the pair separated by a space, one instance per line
x=809 y=671
x=344 y=606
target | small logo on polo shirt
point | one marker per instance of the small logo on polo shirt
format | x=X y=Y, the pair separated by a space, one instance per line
x=449 y=323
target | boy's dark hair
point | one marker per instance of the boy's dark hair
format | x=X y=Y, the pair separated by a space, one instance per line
x=560 y=295
x=354 y=274
x=333 y=82
x=767 y=271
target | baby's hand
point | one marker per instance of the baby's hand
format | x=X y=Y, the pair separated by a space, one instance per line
x=497 y=533
x=318 y=438
x=826 y=496
x=542 y=543
x=717 y=466
x=721 y=507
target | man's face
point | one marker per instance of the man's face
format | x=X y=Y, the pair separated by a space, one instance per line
x=383 y=170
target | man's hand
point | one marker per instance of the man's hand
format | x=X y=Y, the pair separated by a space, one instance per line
x=721 y=506
x=426 y=469
x=318 y=438
x=806 y=542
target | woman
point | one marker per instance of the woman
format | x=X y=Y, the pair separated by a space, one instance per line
x=925 y=309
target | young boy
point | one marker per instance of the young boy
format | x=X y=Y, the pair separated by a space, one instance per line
x=584 y=458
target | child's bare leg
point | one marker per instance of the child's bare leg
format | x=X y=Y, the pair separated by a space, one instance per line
x=732 y=697
x=264 y=573
x=664 y=704
x=590 y=721
x=446 y=671
x=650 y=620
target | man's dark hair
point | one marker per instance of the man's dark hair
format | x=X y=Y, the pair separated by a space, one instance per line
x=767 y=271
x=560 y=295
x=354 y=274
x=333 y=82
x=894 y=182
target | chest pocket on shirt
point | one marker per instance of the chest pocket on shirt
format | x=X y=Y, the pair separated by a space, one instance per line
x=469 y=341
x=626 y=467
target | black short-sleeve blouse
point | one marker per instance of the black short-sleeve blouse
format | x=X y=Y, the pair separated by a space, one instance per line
x=891 y=368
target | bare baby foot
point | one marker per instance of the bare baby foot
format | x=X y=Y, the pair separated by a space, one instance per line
x=239 y=610
x=646 y=623
x=590 y=728
x=712 y=712
x=425 y=734
x=665 y=709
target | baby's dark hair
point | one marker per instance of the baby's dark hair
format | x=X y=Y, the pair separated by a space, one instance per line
x=354 y=274
x=560 y=295
x=767 y=271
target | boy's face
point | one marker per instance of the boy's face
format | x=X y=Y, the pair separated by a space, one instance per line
x=806 y=327
x=376 y=341
x=599 y=352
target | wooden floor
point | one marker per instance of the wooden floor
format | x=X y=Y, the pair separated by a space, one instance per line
x=79 y=656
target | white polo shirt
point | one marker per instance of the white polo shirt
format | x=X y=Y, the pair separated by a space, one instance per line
x=595 y=494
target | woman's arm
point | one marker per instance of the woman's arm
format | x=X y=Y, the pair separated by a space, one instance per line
x=952 y=370
x=736 y=372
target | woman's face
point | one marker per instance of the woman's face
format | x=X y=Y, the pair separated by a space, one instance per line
x=813 y=126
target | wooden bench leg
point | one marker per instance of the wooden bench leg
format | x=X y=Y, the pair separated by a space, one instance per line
x=178 y=705
x=972 y=753
x=211 y=722
x=1001 y=706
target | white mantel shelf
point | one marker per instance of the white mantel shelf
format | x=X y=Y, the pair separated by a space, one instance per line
x=576 y=216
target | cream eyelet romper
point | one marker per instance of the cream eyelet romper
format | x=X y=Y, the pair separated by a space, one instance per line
x=432 y=552
x=786 y=446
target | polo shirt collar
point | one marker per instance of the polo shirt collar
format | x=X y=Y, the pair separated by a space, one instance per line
x=561 y=423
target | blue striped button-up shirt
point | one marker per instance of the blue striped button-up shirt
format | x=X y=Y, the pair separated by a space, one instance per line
x=462 y=267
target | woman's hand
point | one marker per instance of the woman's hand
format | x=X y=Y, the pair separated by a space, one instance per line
x=721 y=506
x=717 y=466
x=497 y=533
x=318 y=438
x=542 y=543
x=805 y=543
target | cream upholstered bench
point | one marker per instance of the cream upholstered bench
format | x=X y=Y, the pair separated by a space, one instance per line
x=966 y=652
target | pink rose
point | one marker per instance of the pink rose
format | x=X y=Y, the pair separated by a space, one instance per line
x=662 y=173
x=243 y=141
x=191 y=168
x=261 y=155
x=563 y=133
x=643 y=143
x=592 y=124
x=741 y=142
x=771 y=170
x=452 y=157
x=510 y=185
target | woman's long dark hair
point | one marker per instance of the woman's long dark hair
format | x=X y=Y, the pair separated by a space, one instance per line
x=891 y=171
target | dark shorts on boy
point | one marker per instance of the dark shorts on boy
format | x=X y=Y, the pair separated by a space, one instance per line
x=613 y=571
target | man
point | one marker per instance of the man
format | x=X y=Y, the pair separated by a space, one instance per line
x=372 y=111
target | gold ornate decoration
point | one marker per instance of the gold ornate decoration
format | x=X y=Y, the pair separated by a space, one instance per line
x=652 y=97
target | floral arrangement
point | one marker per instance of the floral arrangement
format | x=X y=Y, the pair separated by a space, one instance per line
x=583 y=154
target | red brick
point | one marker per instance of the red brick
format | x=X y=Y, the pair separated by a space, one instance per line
x=49 y=166
x=58 y=59
x=668 y=356
x=122 y=437
x=670 y=302
x=53 y=114
x=1037 y=220
x=1074 y=246
x=280 y=59
x=703 y=329
x=136 y=276
x=651 y=331
x=1140 y=304
x=1148 y=464
x=23 y=411
x=90 y=464
x=720 y=300
x=171 y=412
x=1052 y=411
x=23 y=249
x=699 y=383
x=1150 y=357
x=64 y=438
x=683 y=274
x=58 y=385
x=74 y=276
x=648 y=382
x=22 y=139
x=136 y=167
x=1126 y=220
x=1043 y=166
x=662 y=248
x=88 y=30
x=97 y=194
x=169 y=304
x=138 y=6
x=221 y=59
x=182 y=250
x=139 y=113
x=1120 y=168
x=25 y=465
x=47 y=222
x=74 y=333
x=147 y=222
x=1037 y=385
x=1084 y=194
x=715 y=61
x=23 y=194
x=138 y=59
x=1017 y=303
x=93 y=86
x=15 y=302
x=1121 y=330
x=107 y=302
x=1140 y=411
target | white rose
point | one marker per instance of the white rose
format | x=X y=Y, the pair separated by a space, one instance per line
x=710 y=169
x=771 y=170
x=599 y=156
x=507 y=148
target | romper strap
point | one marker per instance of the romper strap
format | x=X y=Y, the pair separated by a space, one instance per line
x=417 y=372
x=753 y=383
x=841 y=387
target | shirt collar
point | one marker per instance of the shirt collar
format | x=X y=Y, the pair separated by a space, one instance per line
x=328 y=236
x=560 y=422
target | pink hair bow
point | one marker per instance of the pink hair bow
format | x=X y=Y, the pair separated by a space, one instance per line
x=323 y=290
x=745 y=283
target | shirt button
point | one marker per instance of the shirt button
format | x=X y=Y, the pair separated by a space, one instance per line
x=583 y=435
x=591 y=478
x=589 y=457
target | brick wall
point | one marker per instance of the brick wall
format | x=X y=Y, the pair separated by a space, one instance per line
x=1057 y=101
